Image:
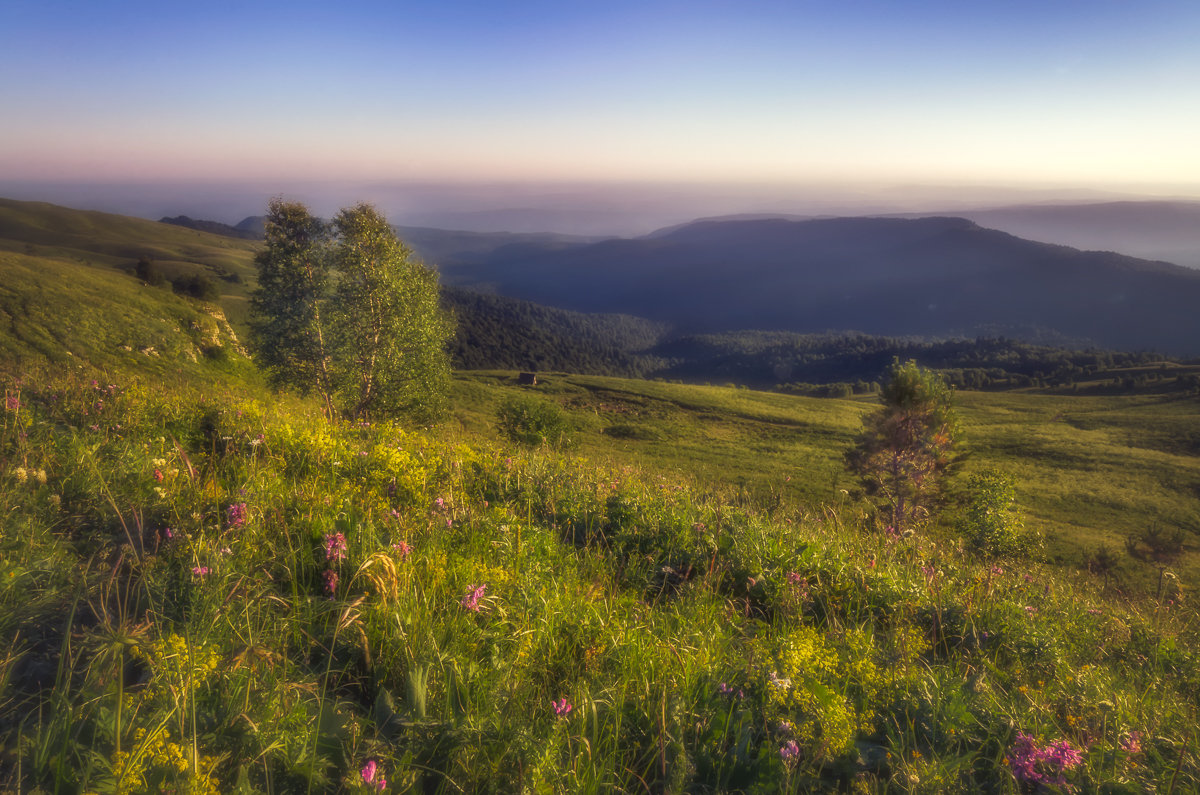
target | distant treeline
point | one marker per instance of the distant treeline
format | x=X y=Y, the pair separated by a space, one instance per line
x=811 y=364
x=495 y=332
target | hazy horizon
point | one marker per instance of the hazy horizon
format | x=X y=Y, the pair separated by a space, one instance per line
x=582 y=208
x=442 y=113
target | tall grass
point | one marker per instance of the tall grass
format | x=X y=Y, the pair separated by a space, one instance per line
x=206 y=591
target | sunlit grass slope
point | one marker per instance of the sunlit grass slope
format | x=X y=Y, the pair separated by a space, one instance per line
x=105 y=240
x=58 y=314
x=1090 y=471
x=206 y=591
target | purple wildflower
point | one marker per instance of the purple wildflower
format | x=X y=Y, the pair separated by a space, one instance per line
x=789 y=751
x=331 y=582
x=12 y=402
x=561 y=707
x=236 y=514
x=335 y=547
x=372 y=775
x=1131 y=743
x=201 y=571
x=472 y=597
x=1046 y=765
x=403 y=548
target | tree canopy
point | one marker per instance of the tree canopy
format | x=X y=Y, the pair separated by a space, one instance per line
x=345 y=311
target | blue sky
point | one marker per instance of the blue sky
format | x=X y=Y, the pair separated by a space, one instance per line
x=1099 y=94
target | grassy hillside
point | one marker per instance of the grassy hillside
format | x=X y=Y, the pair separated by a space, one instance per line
x=117 y=242
x=1090 y=471
x=211 y=592
x=59 y=314
x=207 y=588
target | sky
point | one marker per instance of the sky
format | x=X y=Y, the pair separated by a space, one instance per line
x=840 y=98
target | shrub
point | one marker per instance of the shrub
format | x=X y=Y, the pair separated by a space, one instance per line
x=148 y=271
x=197 y=285
x=990 y=522
x=534 y=422
x=1155 y=544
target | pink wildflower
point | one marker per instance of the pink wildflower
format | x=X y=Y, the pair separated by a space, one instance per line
x=472 y=597
x=236 y=514
x=1131 y=743
x=372 y=776
x=331 y=582
x=158 y=475
x=1046 y=765
x=789 y=751
x=335 y=547
x=403 y=548
x=201 y=571
x=561 y=707
x=12 y=402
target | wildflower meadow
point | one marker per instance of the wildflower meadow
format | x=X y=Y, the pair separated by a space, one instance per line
x=215 y=590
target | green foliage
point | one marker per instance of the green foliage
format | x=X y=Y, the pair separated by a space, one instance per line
x=495 y=332
x=991 y=523
x=1155 y=544
x=390 y=333
x=197 y=285
x=907 y=444
x=347 y=313
x=534 y=422
x=286 y=326
x=149 y=272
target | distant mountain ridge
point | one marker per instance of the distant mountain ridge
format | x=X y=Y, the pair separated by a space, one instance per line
x=213 y=227
x=1158 y=230
x=939 y=276
x=934 y=277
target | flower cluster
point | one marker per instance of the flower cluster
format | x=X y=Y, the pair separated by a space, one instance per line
x=372 y=775
x=335 y=547
x=236 y=515
x=472 y=597
x=561 y=707
x=1031 y=764
x=789 y=751
x=331 y=582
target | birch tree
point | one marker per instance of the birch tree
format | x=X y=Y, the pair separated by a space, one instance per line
x=345 y=310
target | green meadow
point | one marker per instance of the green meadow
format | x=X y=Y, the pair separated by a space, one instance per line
x=207 y=587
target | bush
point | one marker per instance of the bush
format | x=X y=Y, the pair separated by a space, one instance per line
x=1155 y=544
x=197 y=285
x=534 y=422
x=148 y=271
x=990 y=523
